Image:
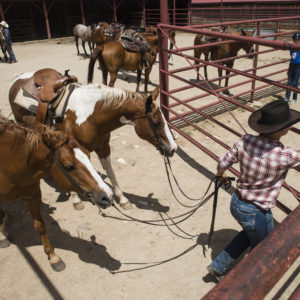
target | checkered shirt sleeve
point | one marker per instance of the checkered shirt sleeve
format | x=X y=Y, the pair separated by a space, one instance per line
x=264 y=164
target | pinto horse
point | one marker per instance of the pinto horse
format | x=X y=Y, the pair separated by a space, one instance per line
x=221 y=52
x=94 y=110
x=4 y=46
x=113 y=56
x=27 y=156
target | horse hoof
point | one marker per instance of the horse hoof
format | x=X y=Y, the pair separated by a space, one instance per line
x=126 y=205
x=59 y=266
x=4 y=243
x=78 y=206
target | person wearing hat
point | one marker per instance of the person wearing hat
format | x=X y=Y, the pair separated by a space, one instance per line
x=294 y=70
x=264 y=162
x=6 y=32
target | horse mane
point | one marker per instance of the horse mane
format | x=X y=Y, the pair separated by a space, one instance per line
x=114 y=97
x=26 y=138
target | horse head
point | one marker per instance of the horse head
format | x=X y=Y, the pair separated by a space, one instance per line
x=248 y=47
x=72 y=170
x=152 y=126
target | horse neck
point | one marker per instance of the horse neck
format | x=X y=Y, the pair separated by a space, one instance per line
x=116 y=117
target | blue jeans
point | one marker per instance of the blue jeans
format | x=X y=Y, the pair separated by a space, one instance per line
x=293 y=80
x=11 y=52
x=256 y=223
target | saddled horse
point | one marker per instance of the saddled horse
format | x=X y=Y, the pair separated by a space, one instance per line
x=221 y=52
x=27 y=156
x=85 y=33
x=94 y=110
x=3 y=45
x=105 y=32
x=113 y=56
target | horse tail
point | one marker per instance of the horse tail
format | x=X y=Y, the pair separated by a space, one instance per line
x=97 y=53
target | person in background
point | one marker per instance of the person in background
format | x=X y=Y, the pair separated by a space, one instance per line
x=6 y=32
x=264 y=163
x=294 y=69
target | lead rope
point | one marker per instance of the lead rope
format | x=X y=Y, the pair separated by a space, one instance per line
x=148 y=265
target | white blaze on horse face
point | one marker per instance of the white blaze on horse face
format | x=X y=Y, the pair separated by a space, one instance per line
x=82 y=157
x=83 y=101
x=168 y=133
x=22 y=76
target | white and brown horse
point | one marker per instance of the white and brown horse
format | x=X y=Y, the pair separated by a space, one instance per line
x=27 y=156
x=95 y=110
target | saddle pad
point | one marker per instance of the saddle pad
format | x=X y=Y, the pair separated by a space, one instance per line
x=27 y=102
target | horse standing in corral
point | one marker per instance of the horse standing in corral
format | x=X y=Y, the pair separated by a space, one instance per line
x=85 y=33
x=93 y=111
x=27 y=156
x=105 y=32
x=221 y=52
x=113 y=56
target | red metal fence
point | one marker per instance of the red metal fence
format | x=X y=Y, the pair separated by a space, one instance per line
x=206 y=100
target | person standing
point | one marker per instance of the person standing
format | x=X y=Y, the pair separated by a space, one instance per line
x=294 y=70
x=6 y=33
x=264 y=163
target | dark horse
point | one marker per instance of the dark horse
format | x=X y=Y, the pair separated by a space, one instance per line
x=221 y=52
x=27 y=156
x=94 y=110
x=113 y=56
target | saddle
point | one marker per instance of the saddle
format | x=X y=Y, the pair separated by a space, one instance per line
x=134 y=41
x=46 y=86
x=112 y=30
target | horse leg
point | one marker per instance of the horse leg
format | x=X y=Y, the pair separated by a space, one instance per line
x=197 y=54
x=103 y=152
x=138 y=79
x=34 y=207
x=83 y=46
x=220 y=71
x=4 y=242
x=147 y=75
x=205 y=67
x=113 y=78
x=76 y=41
x=227 y=73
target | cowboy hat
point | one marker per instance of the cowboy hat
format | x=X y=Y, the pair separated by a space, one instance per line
x=4 y=24
x=273 y=117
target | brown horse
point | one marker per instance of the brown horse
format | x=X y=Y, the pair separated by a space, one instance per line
x=221 y=52
x=28 y=155
x=95 y=110
x=113 y=56
x=105 y=32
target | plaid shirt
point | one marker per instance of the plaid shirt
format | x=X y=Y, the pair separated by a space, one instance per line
x=264 y=164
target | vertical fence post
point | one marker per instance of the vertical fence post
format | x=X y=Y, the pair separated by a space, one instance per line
x=1 y=12
x=163 y=58
x=115 y=11
x=255 y=61
x=46 y=20
x=144 y=13
x=82 y=12
x=174 y=12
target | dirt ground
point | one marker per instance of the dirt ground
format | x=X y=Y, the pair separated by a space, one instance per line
x=93 y=246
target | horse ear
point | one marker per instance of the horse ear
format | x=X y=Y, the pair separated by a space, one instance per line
x=243 y=32
x=148 y=105
x=155 y=93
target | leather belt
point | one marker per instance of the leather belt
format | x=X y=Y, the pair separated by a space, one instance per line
x=241 y=198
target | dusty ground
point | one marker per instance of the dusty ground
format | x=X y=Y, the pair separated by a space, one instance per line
x=91 y=245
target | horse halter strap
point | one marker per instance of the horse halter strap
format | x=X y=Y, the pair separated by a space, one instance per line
x=157 y=137
x=66 y=174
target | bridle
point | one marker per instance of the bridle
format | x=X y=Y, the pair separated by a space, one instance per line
x=63 y=170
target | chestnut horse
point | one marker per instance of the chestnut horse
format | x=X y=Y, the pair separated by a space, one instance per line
x=95 y=110
x=221 y=52
x=113 y=56
x=26 y=156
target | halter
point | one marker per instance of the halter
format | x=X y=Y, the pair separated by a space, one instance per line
x=157 y=137
x=103 y=202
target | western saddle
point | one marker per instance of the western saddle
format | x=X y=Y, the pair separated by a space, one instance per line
x=45 y=86
x=133 y=41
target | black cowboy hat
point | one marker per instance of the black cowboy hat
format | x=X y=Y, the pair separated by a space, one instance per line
x=273 y=117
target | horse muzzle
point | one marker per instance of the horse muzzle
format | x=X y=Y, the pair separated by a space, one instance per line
x=103 y=200
x=167 y=150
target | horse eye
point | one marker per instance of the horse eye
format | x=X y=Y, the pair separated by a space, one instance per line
x=69 y=168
